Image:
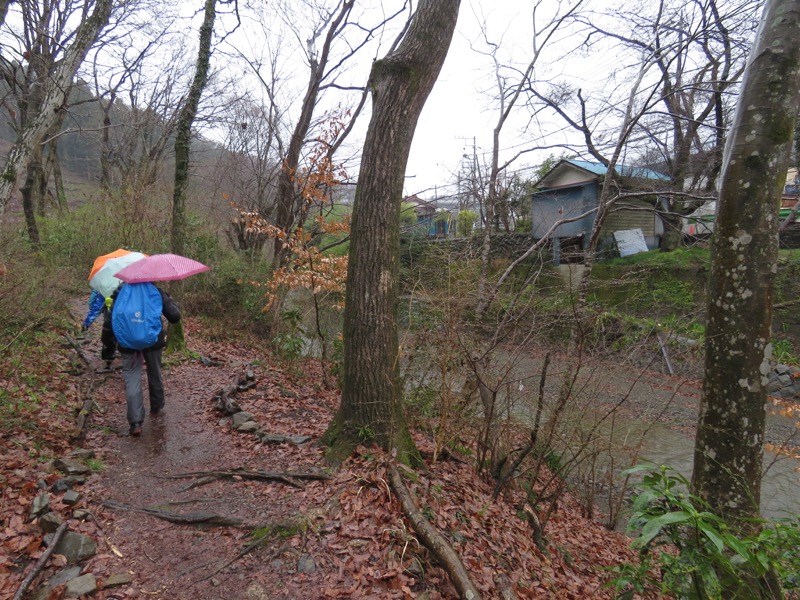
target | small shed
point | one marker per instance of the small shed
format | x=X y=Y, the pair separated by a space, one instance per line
x=431 y=221
x=571 y=189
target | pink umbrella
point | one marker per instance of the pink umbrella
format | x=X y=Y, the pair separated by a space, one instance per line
x=161 y=267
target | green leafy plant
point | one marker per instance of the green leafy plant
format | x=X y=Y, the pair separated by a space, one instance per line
x=95 y=464
x=366 y=434
x=697 y=555
x=783 y=352
x=290 y=344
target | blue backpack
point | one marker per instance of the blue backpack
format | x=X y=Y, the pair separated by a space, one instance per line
x=136 y=316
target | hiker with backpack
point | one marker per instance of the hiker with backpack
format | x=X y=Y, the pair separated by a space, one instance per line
x=136 y=325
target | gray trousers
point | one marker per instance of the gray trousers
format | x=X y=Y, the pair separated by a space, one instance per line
x=132 y=373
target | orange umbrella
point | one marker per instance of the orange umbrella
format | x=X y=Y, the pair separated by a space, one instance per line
x=101 y=260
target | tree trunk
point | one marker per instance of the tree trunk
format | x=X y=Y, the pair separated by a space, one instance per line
x=371 y=408
x=28 y=191
x=58 y=178
x=730 y=435
x=105 y=146
x=183 y=137
x=673 y=230
x=55 y=96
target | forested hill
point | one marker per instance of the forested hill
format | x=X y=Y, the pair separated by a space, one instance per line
x=130 y=129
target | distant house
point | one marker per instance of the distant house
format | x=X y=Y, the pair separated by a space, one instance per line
x=572 y=188
x=431 y=222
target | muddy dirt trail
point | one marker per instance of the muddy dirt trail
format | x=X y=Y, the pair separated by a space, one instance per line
x=165 y=560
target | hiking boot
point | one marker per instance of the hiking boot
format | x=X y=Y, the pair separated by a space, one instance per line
x=108 y=365
x=157 y=410
x=136 y=429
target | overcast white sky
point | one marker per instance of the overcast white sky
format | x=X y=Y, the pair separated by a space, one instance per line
x=462 y=111
x=457 y=114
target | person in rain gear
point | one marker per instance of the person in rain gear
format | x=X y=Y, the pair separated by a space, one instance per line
x=98 y=305
x=151 y=357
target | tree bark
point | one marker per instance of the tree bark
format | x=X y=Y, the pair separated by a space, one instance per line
x=371 y=409
x=729 y=443
x=56 y=93
x=28 y=191
x=183 y=137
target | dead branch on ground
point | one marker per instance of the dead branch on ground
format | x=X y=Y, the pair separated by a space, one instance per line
x=77 y=347
x=433 y=540
x=289 y=478
x=41 y=562
x=207 y=518
x=86 y=410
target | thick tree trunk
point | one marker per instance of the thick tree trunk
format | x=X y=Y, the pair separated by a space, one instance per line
x=371 y=408
x=673 y=233
x=57 y=88
x=730 y=435
x=183 y=137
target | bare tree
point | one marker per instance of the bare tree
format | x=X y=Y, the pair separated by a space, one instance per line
x=138 y=102
x=337 y=35
x=371 y=408
x=510 y=87
x=699 y=49
x=55 y=87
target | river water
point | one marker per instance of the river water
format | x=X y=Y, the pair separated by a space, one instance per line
x=654 y=420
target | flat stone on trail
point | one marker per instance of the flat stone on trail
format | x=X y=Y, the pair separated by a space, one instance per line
x=81 y=454
x=84 y=585
x=306 y=564
x=70 y=466
x=66 y=483
x=71 y=498
x=275 y=438
x=63 y=576
x=74 y=546
x=49 y=522
x=80 y=514
x=40 y=506
x=248 y=427
x=240 y=419
x=117 y=580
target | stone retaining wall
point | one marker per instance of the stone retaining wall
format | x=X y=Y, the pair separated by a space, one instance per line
x=784 y=382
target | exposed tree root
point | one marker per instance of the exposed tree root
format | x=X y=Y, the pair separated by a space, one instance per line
x=88 y=402
x=207 y=518
x=433 y=540
x=41 y=562
x=261 y=541
x=224 y=398
x=289 y=478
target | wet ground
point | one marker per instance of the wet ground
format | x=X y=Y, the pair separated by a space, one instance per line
x=189 y=435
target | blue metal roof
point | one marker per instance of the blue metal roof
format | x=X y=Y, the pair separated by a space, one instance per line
x=623 y=170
